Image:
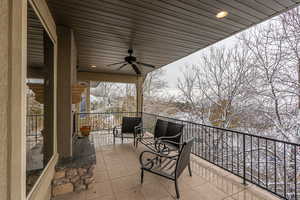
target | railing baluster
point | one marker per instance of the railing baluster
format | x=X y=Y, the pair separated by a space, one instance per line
x=295 y=171
x=251 y=158
x=244 y=159
x=275 y=166
x=258 y=160
x=238 y=153
x=232 y=152
x=284 y=169
x=266 y=146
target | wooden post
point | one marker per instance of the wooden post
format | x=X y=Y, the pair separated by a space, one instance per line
x=66 y=64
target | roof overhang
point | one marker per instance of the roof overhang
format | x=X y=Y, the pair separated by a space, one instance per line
x=160 y=32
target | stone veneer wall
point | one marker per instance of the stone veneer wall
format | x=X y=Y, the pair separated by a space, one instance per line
x=68 y=180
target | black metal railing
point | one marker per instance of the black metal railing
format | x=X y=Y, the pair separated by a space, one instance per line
x=268 y=163
x=100 y=121
x=34 y=127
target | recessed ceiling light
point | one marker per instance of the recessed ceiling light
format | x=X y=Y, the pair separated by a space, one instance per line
x=222 y=14
x=93 y=66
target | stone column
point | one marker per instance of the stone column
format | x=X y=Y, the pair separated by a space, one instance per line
x=66 y=71
x=139 y=93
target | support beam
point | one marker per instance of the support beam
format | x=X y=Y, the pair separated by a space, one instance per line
x=106 y=77
x=13 y=48
x=66 y=65
x=139 y=93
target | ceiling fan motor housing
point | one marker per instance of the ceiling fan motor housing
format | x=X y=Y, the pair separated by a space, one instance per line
x=130 y=59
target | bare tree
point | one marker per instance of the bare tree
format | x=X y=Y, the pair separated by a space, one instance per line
x=290 y=26
x=154 y=83
x=218 y=85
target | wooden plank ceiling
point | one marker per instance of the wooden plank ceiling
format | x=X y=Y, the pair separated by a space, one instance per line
x=159 y=31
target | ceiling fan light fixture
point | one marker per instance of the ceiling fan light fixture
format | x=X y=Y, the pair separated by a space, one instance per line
x=93 y=66
x=221 y=14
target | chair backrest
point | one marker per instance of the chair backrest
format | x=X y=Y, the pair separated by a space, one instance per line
x=160 y=128
x=184 y=157
x=174 y=129
x=129 y=123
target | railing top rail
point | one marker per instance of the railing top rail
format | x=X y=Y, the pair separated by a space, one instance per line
x=31 y=115
x=82 y=113
x=204 y=125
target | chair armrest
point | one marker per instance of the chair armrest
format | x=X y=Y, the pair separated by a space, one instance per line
x=115 y=130
x=141 y=129
x=169 y=137
x=150 y=161
x=163 y=147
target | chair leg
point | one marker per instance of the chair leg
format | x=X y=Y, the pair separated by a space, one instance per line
x=176 y=189
x=114 y=140
x=142 y=176
x=136 y=143
x=190 y=170
x=122 y=139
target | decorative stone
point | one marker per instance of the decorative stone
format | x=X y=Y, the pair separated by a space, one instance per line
x=60 y=181
x=74 y=179
x=59 y=174
x=62 y=189
x=79 y=186
x=71 y=173
x=86 y=176
x=82 y=171
x=88 y=181
x=92 y=169
x=91 y=186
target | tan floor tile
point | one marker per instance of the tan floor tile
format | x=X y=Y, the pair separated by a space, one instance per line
x=208 y=191
x=109 y=197
x=118 y=171
x=154 y=191
x=100 y=167
x=226 y=184
x=132 y=194
x=100 y=189
x=125 y=183
x=192 y=181
x=170 y=187
x=101 y=176
x=254 y=193
x=70 y=196
x=191 y=195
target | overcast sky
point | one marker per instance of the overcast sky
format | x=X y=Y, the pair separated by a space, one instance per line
x=173 y=71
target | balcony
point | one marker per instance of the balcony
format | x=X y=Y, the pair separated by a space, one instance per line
x=118 y=177
x=226 y=164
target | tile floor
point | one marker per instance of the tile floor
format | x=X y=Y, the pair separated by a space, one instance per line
x=118 y=178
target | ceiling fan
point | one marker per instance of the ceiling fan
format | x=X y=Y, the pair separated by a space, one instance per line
x=131 y=60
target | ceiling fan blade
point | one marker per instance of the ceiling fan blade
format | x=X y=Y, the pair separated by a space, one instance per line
x=146 y=65
x=115 y=64
x=122 y=66
x=136 y=69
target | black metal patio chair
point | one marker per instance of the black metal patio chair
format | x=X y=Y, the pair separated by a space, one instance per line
x=163 y=130
x=127 y=129
x=149 y=140
x=168 y=165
